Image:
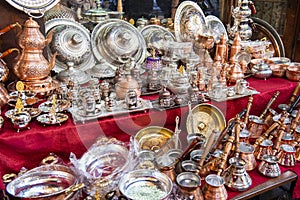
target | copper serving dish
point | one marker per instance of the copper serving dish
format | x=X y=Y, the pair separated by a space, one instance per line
x=278 y=65
x=293 y=71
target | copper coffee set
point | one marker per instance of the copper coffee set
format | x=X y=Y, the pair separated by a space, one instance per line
x=221 y=159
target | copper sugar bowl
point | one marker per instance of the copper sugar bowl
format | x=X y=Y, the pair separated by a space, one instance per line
x=32 y=65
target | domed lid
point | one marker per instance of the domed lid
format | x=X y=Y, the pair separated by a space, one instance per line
x=114 y=39
x=73 y=74
x=60 y=11
x=128 y=82
x=30 y=23
x=71 y=41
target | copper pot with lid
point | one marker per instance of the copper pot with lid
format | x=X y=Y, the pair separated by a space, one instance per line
x=126 y=84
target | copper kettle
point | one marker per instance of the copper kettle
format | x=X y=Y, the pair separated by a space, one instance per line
x=32 y=65
x=235 y=72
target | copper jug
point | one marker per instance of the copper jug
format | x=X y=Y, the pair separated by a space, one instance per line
x=32 y=65
x=247 y=154
x=214 y=188
x=189 y=186
x=235 y=71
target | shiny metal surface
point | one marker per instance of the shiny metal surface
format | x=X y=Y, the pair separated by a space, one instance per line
x=207 y=118
x=189 y=22
x=34 y=112
x=114 y=39
x=216 y=27
x=153 y=138
x=21 y=120
x=44 y=182
x=269 y=166
x=52 y=118
x=155 y=33
x=72 y=42
x=214 y=188
x=32 y=7
x=156 y=185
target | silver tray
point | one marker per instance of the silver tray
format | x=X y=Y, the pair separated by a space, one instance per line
x=32 y=7
x=33 y=112
x=189 y=22
x=79 y=115
x=216 y=27
x=248 y=92
x=48 y=119
x=81 y=55
x=114 y=38
x=61 y=105
x=154 y=33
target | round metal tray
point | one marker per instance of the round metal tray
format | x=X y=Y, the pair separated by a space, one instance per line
x=189 y=22
x=216 y=27
x=206 y=119
x=33 y=7
x=154 y=33
x=71 y=41
x=115 y=39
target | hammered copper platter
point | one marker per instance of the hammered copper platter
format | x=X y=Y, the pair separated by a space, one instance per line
x=189 y=22
x=206 y=118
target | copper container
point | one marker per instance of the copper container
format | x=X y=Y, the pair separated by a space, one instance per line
x=265 y=148
x=293 y=71
x=127 y=84
x=247 y=154
x=236 y=178
x=235 y=72
x=278 y=65
x=214 y=188
x=167 y=166
x=297 y=154
x=286 y=155
x=189 y=166
x=32 y=65
x=256 y=126
x=244 y=136
x=189 y=186
x=269 y=117
x=287 y=138
x=269 y=166
x=3 y=95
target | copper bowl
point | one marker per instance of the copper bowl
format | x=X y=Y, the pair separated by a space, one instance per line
x=278 y=65
x=293 y=71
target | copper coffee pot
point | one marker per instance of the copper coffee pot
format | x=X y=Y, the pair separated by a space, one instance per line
x=32 y=65
x=214 y=188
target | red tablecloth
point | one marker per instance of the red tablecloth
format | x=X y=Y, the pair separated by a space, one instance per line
x=28 y=147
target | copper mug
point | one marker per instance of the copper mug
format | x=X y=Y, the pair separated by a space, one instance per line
x=189 y=166
x=214 y=188
x=189 y=186
x=256 y=126
x=167 y=166
x=247 y=154
x=269 y=166
x=264 y=148
x=286 y=155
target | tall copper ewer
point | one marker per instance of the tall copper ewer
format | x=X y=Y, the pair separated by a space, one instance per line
x=32 y=67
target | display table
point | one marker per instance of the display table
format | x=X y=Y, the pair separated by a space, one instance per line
x=28 y=147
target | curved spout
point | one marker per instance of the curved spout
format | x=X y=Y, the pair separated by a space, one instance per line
x=52 y=61
x=49 y=38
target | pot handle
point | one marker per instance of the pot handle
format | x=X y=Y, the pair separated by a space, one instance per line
x=7 y=178
x=40 y=14
x=69 y=192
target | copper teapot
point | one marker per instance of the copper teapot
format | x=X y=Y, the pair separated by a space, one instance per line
x=235 y=72
x=32 y=65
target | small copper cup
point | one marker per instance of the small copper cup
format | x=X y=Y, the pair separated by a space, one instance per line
x=189 y=186
x=200 y=136
x=166 y=166
x=286 y=155
x=196 y=156
x=244 y=136
x=269 y=116
x=269 y=166
x=247 y=154
x=214 y=188
x=265 y=148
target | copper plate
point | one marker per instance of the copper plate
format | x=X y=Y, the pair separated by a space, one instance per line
x=152 y=137
x=206 y=118
x=189 y=22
